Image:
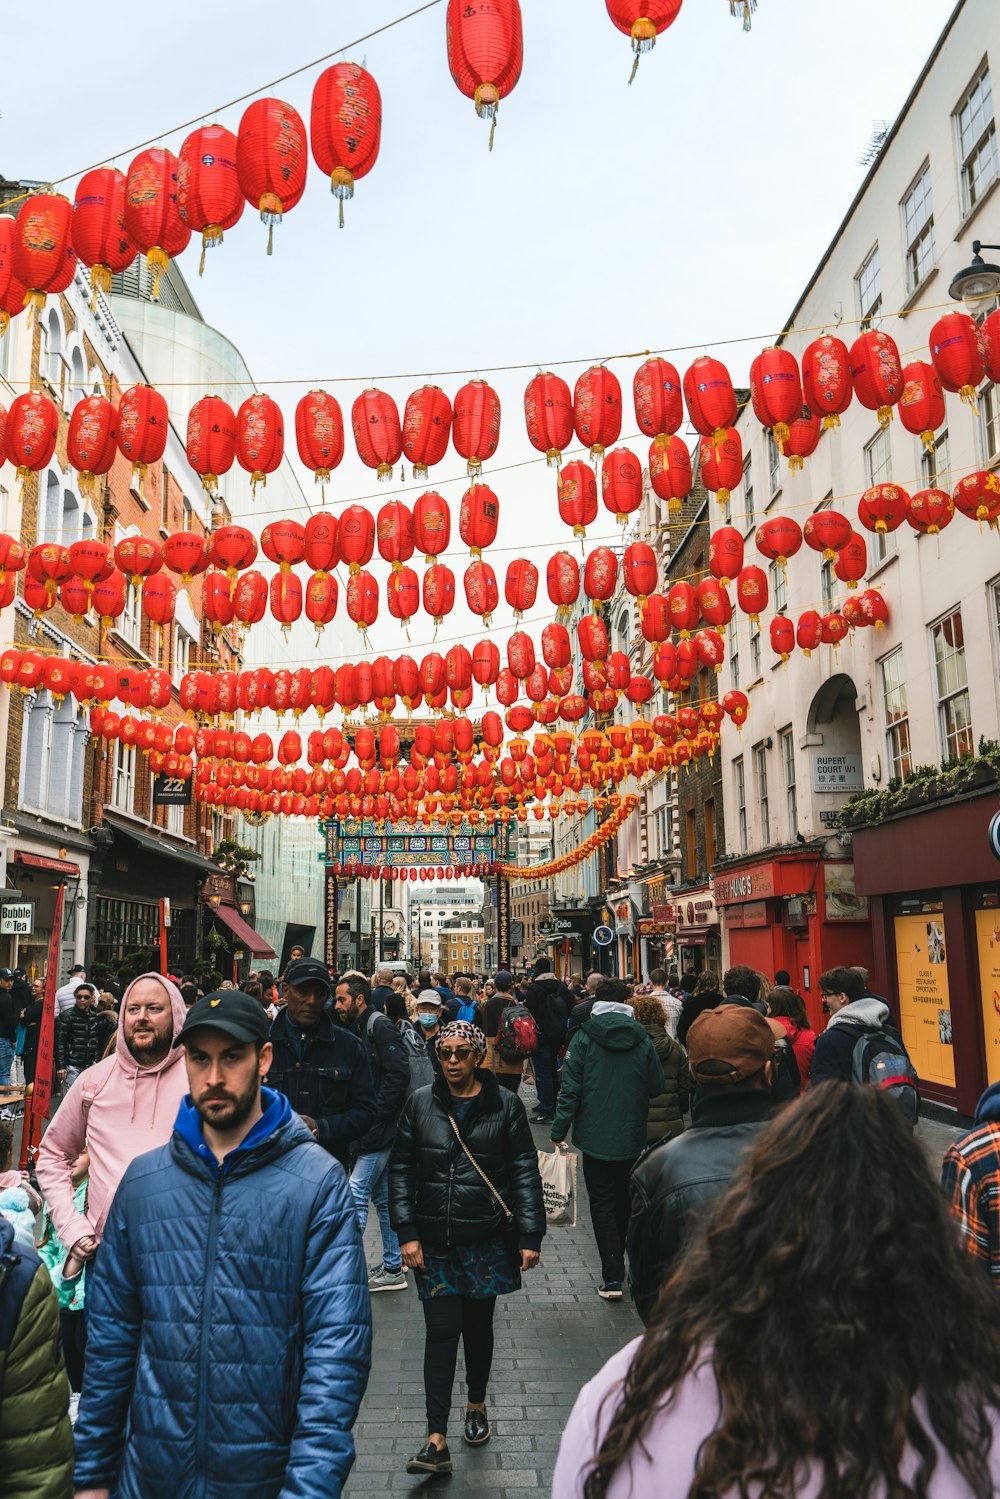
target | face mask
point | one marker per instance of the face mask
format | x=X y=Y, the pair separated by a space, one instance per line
x=427 y=1021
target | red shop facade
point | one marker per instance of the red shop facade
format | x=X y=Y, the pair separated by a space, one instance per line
x=934 y=888
x=798 y=911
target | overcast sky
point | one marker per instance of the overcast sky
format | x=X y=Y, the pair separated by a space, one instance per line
x=690 y=207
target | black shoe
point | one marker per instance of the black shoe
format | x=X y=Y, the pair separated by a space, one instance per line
x=477 y=1428
x=542 y=1116
x=430 y=1459
x=610 y=1290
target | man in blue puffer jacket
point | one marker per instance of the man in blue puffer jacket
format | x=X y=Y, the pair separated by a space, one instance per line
x=228 y=1320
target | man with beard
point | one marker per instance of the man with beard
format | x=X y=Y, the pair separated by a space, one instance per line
x=117 y=1109
x=229 y=1323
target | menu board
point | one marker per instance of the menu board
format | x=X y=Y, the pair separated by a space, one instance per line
x=924 y=997
x=988 y=942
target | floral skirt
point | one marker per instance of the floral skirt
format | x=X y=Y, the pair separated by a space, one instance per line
x=475 y=1270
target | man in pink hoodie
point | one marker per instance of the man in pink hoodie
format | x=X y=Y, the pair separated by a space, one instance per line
x=117 y=1109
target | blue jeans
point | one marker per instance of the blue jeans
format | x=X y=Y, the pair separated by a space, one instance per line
x=6 y=1059
x=370 y=1179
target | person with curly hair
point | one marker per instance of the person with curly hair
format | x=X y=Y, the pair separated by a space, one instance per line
x=825 y=1337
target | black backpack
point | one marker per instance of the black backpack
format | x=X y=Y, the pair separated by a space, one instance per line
x=787 y=1078
x=880 y=1059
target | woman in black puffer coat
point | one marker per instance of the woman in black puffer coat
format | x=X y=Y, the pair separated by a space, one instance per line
x=466 y=1239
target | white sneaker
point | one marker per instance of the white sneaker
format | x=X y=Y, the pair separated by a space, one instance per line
x=74 y=1406
x=387 y=1280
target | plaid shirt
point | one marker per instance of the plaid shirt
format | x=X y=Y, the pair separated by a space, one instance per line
x=970 y=1176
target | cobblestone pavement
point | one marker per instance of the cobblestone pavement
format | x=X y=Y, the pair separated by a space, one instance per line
x=551 y=1337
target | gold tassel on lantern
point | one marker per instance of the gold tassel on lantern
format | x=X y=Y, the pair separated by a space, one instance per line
x=643 y=40
x=270 y=214
x=211 y=236
x=342 y=187
x=100 y=280
x=158 y=262
x=747 y=7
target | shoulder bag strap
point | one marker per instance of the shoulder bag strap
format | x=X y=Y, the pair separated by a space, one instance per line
x=507 y=1212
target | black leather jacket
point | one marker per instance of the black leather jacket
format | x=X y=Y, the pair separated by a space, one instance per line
x=435 y=1193
x=325 y=1073
x=675 y=1185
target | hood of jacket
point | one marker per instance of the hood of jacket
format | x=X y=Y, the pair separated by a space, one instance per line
x=278 y=1129
x=178 y=1010
x=988 y=1107
x=547 y=978
x=868 y=1012
x=614 y=1027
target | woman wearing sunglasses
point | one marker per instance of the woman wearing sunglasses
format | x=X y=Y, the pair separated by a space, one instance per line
x=465 y=1199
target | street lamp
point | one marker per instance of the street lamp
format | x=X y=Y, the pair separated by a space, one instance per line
x=977 y=281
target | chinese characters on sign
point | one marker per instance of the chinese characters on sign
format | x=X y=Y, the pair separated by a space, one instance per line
x=838 y=773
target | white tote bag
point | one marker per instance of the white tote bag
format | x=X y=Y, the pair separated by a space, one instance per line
x=558 y=1172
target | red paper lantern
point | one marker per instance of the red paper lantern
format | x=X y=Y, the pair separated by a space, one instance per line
x=548 y=416
x=930 y=510
x=827 y=531
x=643 y=20
x=621 y=483
x=143 y=425
x=710 y=648
x=217 y=601
x=319 y=435
x=989 y=333
x=486 y=665
x=654 y=619
x=109 y=598
x=833 y=627
x=808 y=632
x=186 y=553
x=776 y=391
x=31 y=432
x=876 y=373
x=921 y=405
x=426 y=428
x=478 y=518
x=272 y=159
x=233 y=548
x=439 y=591
x=710 y=398
x=521 y=655
x=357 y=537
x=597 y=409
x=431 y=525
x=682 y=601
x=250 y=598
x=577 y=497
x=751 y=591
x=882 y=508
x=782 y=633
x=43 y=258
x=321 y=542
x=640 y=572
x=826 y=379
x=521 y=586
x=852 y=560
x=659 y=405
x=284 y=543
x=286 y=599
x=402 y=594
x=159 y=598
x=75 y=597
x=736 y=705
x=322 y=597
x=13 y=557
x=100 y=236
x=874 y=608
x=600 y=575
x=209 y=198
x=593 y=637
x=475 y=428
x=394 y=531
x=977 y=496
x=377 y=433
x=485 y=52
x=562 y=581
x=556 y=650
x=92 y=561
x=803 y=438
x=778 y=538
x=211 y=440
x=12 y=291
x=957 y=353
x=260 y=438
x=481 y=592
x=713 y=602
x=92 y=440
x=152 y=218
x=362 y=599
x=670 y=474
x=721 y=459
x=345 y=127
x=725 y=553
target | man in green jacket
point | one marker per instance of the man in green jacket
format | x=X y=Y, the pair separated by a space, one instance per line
x=609 y=1076
x=36 y=1443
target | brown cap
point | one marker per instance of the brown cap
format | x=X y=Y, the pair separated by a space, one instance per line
x=735 y=1041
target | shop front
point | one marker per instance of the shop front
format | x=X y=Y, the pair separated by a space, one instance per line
x=233 y=944
x=625 y=916
x=697 y=934
x=570 y=940
x=798 y=911
x=934 y=887
x=39 y=872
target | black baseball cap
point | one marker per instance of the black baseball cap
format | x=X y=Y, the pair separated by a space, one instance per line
x=6 y=973
x=306 y=971
x=229 y=1010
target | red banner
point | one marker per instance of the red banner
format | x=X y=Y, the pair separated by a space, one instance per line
x=41 y=1096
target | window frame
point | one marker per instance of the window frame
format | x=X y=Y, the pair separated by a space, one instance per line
x=868 y=290
x=748 y=509
x=123 y=778
x=773 y=465
x=760 y=786
x=739 y=775
x=755 y=656
x=947 y=698
x=918 y=232
x=883 y=544
x=931 y=469
x=733 y=652
x=896 y=722
x=779 y=588
x=988 y=424
x=786 y=738
x=971 y=188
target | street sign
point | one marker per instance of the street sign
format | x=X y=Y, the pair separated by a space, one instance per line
x=603 y=936
x=17 y=918
x=171 y=791
x=517 y=933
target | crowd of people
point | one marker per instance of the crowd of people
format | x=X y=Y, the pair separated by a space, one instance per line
x=182 y=1275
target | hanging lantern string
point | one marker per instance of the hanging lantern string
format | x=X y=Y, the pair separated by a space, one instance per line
x=199 y=119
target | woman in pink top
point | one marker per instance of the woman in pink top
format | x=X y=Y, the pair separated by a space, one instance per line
x=825 y=1337
x=785 y=1005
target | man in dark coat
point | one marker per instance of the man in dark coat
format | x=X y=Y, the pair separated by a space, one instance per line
x=229 y=1329
x=391 y=1073
x=549 y=1003
x=321 y=1068
x=9 y=1013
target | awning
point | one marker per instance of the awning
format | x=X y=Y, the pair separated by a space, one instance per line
x=160 y=847
x=243 y=931
x=693 y=936
x=39 y=861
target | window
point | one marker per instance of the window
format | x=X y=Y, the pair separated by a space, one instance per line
x=918 y=229
x=741 y=802
x=754 y=650
x=182 y=652
x=952 y=687
x=897 y=721
x=788 y=763
x=935 y=462
x=779 y=587
x=123 y=776
x=175 y=821
x=977 y=141
x=828 y=587
x=989 y=423
x=54 y=743
x=878 y=470
x=747 y=492
x=868 y=290
x=710 y=848
x=733 y=652
x=760 y=773
x=691 y=841
x=773 y=465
